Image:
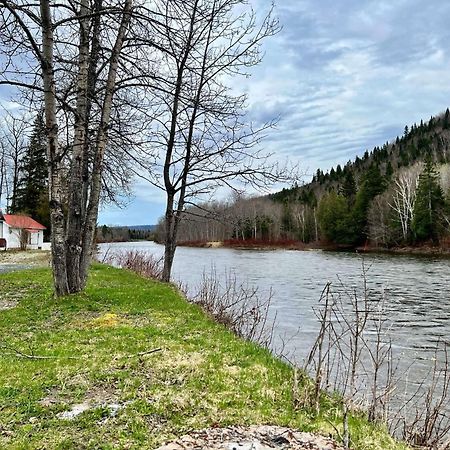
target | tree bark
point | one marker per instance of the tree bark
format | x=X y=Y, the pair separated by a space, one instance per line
x=54 y=157
x=101 y=143
x=75 y=209
x=170 y=239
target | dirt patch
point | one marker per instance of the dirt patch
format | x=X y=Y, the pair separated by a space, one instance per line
x=7 y=304
x=28 y=258
x=252 y=438
x=10 y=297
x=97 y=397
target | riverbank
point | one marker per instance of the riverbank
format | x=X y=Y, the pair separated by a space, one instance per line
x=255 y=244
x=131 y=364
x=424 y=250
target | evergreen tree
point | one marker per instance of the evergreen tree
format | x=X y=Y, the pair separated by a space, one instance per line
x=335 y=220
x=446 y=125
x=372 y=184
x=32 y=193
x=428 y=206
x=332 y=174
x=389 y=170
x=348 y=188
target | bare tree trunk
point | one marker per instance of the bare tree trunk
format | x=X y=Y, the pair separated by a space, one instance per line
x=101 y=142
x=170 y=239
x=75 y=209
x=170 y=218
x=3 y=169
x=316 y=226
x=54 y=157
x=15 y=182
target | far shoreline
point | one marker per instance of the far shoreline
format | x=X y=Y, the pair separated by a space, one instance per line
x=424 y=250
x=260 y=245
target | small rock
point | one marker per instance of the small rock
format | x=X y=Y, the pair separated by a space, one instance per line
x=114 y=408
x=172 y=447
x=74 y=412
x=254 y=445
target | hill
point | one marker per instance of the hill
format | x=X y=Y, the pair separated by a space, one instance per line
x=379 y=197
x=126 y=233
x=428 y=139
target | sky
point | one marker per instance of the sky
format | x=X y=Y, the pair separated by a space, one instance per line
x=342 y=76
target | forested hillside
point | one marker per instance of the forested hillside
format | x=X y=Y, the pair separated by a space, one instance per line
x=396 y=194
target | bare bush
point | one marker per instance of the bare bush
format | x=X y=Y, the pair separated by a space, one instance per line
x=140 y=262
x=236 y=305
x=353 y=355
x=424 y=418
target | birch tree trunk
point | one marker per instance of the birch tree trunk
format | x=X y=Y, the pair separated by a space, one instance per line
x=53 y=153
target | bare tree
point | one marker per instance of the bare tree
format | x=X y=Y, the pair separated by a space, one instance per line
x=13 y=142
x=380 y=218
x=404 y=197
x=70 y=56
x=202 y=137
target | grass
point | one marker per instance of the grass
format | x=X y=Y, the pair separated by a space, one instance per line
x=95 y=343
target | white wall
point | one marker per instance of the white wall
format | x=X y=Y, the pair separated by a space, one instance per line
x=36 y=240
x=12 y=236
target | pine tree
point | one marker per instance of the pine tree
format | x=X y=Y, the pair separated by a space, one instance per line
x=335 y=220
x=446 y=125
x=428 y=206
x=389 y=170
x=348 y=188
x=32 y=193
x=372 y=184
x=332 y=174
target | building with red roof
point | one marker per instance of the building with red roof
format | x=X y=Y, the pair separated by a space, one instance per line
x=19 y=231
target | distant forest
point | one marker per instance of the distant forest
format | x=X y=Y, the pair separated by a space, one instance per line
x=107 y=233
x=394 y=195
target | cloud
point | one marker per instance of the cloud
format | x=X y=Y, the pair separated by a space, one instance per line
x=347 y=76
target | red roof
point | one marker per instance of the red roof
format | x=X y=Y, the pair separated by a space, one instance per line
x=16 y=221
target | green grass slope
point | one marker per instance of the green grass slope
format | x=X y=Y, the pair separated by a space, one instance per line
x=95 y=348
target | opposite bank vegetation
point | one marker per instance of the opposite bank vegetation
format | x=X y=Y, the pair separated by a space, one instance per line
x=130 y=363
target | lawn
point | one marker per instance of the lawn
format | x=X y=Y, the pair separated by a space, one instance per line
x=145 y=364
